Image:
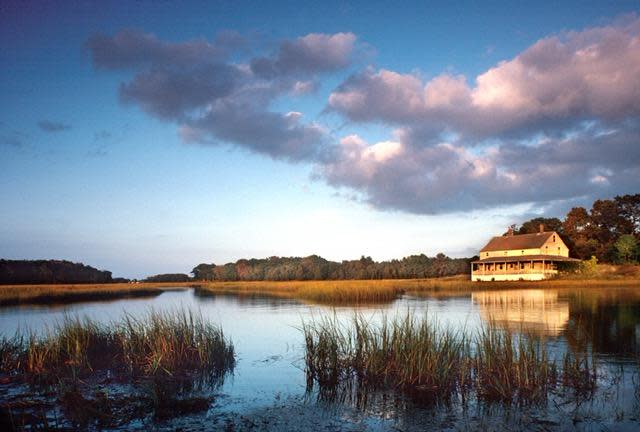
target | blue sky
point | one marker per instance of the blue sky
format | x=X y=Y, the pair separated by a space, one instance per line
x=144 y=137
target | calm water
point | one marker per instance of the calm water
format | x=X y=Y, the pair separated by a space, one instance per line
x=268 y=388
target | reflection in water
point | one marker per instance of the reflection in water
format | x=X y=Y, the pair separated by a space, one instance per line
x=270 y=346
x=535 y=310
x=605 y=321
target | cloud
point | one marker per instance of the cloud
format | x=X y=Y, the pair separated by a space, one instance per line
x=14 y=139
x=214 y=100
x=313 y=53
x=53 y=126
x=562 y=79
x=280 y=136
x=558 y=122
x=447 y=177
x=135 y=49
x=173 y=93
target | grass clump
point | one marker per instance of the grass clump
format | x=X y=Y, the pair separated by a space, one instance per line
x=161 y=343
x=107 y=375
x=415 y=356
x=433 y=363
x=508 y=369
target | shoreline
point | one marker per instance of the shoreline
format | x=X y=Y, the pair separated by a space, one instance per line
x=13 y=295
x=319 y=291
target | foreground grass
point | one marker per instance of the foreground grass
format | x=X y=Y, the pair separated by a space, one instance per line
x=162 y=357
x=386 y=290
x=169 y=344
x=20 y=294
x=432 y=363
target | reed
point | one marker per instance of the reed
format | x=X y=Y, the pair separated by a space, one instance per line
x=165 y=344
x=416 y=356
x=434 y=363
x=508 y=369
x=387 y=290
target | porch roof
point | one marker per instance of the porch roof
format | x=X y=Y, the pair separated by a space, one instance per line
x=555 y=258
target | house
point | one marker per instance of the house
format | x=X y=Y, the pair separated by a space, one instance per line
x=521 y=257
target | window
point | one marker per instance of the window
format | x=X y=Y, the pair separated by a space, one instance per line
x=487 y=253
x=500 y=266
x=554 y=238
x=505 y=253
x=522 y=252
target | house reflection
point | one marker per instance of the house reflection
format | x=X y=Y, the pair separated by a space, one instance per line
x=537 y=310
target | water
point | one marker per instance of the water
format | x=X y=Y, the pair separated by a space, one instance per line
x=268 y=388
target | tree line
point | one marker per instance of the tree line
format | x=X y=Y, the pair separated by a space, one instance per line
x=610 y=230
x=15 y=272
x=315 y=267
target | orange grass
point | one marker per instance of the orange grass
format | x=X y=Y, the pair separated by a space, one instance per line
x=16 y=294
x=385 y=290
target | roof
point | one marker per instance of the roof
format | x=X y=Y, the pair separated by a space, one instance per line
x=556 y=258
x=519 y=241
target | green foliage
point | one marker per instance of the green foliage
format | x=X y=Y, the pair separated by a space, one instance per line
x=596 y=232
x=169 y=277
x=50 y=272
x=626 y=248
x=588 y=267
x=315 y=267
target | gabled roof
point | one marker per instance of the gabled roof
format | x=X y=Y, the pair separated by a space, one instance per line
x=519 y=241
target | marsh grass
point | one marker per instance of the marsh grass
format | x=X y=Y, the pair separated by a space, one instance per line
x=164 y=359
x=432 y=363
x=509 y=367
x=54 y=293
x=387 y=290
x=169 y=344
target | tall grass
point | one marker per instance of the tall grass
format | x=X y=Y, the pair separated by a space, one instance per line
x=508 y=369
x=160 y=344
x=435 y=363
x=387 y=290
x=414 y=355
x=52 y=293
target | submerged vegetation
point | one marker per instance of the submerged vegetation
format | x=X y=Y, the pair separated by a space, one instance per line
x=163 y=356
x=434 y=364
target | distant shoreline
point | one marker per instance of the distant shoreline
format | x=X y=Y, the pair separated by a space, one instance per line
x=320 y=291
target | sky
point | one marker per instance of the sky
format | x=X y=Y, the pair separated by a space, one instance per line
x=148 y=137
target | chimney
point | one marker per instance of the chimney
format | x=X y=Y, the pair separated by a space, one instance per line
x=510 y=231
x=541 y=228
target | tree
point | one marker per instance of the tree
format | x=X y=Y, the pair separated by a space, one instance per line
x=533 y=226
x=576 y=227
x=629 y=209
x=626 y=247
x=606 y=225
